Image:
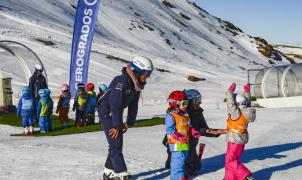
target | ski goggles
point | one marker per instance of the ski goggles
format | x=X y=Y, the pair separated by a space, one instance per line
x=183 y=102
x=143 y=72
x=147 y=73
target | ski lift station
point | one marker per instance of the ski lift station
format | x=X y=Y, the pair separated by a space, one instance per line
x=278 y=86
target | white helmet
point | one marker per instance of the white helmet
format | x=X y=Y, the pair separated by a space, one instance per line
x=194 y=96
x=241 y=101
x=142 y=65
x=38 y=67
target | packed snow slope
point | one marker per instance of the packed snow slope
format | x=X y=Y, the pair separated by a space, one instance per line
x=181 y=38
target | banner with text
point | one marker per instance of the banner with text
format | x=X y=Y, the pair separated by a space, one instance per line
x=84 y=24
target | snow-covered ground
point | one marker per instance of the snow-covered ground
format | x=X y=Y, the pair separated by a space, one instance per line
x=274 y=151
x=201 y=45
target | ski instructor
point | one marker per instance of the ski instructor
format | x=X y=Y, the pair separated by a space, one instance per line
x=124 y=91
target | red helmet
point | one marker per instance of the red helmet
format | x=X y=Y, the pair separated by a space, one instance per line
x=90 y=87
x=176 y=98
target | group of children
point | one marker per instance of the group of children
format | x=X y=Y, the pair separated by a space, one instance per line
x=84 y=105
x=27 y=110
x=185 y=123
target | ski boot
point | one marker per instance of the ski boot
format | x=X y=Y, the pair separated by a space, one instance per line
x=108 y=174
x=122 y=176
x=25 y=132
x=31 y=131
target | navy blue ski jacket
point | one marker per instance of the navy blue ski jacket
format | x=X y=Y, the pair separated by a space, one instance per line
x=122 y=94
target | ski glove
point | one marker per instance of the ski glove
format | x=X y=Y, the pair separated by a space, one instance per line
x=195 y=133
x=180 y=137
x=247 y=88
x=232 y=87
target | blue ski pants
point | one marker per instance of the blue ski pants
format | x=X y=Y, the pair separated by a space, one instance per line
x=178 y=162
x=27 y=121
x=115 y=151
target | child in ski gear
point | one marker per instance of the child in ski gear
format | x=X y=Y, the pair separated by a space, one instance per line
x=44 y=110
x=63 y=105
x=239 y=116
x=26 y=111
x=198 y=122
x=79 y=105
x=124 y=91
x=102 y=89
x=178 y=133
x=91 y=103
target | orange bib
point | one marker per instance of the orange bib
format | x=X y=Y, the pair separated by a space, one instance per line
x=182 y=127
x=240 y=125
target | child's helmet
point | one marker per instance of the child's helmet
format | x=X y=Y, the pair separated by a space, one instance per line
x=241 y=101
x=90 y=86
x=64 y=87
x=194 y=96
x=25 y=89
x=103 y=87
x=43 y=93
x=175 y=98
x=81 y=86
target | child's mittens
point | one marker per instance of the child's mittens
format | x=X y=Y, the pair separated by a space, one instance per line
x=232 y=87
x=180 y=137
x=247 y=88
x=195 y=133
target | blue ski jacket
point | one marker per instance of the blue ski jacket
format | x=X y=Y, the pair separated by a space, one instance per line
x=121 y=94
x=26 y=106
x=91 y=102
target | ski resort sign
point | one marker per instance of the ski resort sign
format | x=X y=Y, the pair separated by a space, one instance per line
x=84 y=23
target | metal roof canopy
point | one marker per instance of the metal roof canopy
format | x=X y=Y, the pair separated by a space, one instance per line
x=28 y=69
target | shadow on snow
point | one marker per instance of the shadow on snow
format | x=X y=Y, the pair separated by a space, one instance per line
x=216 y=163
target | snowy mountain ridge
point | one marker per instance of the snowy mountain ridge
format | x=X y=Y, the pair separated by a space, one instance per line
x=182 y=39
x=294 y=52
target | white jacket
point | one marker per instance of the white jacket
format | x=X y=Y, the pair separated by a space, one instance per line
x=235 y=112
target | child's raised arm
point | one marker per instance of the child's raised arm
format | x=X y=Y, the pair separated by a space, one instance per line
x=232 y=107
